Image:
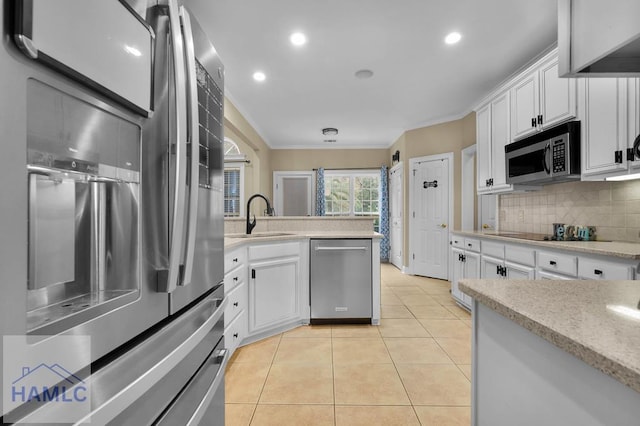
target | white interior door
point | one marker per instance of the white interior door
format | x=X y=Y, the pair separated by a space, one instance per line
x=293 y=193
x=396 y=240
x=430 y=215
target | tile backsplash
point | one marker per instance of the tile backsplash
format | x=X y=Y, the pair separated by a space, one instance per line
x=612 y=207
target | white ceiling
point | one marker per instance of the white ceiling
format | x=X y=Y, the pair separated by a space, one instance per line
x=418 y=80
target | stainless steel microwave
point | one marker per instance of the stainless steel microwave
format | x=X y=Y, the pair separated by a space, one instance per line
x=547 y=157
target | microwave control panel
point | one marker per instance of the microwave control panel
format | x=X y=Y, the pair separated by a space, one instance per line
x=559 y=156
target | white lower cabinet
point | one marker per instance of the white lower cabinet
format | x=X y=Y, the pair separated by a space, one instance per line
x=465 y=264
x=495 y=259
x=491 y=267
x=235 y=289
x=275 y=286
x=501 y=260
x=235 y=332
x=519 y=272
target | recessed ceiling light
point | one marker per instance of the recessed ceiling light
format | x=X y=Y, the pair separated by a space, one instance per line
x=298 y=39
x=364 y=74
x=452 y=38
x=259 y=76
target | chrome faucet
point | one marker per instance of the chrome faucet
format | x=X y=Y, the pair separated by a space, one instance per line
x=252 y=224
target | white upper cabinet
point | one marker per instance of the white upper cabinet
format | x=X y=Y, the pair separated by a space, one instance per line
x=540 y=99
x=534 y=100
x=610 y=114
x=603 y=125
x=524 y=111
x=499 y=138
x=483 y=151
x=633 y=112
x=492 y=128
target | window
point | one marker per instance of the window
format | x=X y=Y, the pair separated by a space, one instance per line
x=234 y=162
x=232 y=190
x=352 y=193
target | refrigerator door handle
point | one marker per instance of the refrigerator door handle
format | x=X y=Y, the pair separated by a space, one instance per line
x=178 y=223
x=191 y=87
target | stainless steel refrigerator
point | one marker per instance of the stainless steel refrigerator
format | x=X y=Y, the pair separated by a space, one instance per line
x=112 y=216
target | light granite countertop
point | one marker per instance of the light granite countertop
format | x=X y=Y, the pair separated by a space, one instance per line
x=620 y=249
x=235 y=240
x=596 y=321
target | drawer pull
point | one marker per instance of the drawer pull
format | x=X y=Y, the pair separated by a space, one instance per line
x=235 y=279
x=597 y=271
x=235 y=304
x=469 y=244
x=235 y=259
x=235 y=335
x=552 y=262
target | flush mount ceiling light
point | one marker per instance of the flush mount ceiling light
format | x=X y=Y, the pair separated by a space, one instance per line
x=259 y=76
x=329 y=131
x=298 y=39
x=364 y=74
x=452 y=38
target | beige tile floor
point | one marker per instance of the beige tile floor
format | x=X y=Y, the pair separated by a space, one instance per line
x=413 y=369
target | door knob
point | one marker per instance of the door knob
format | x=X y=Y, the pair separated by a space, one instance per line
x=443 y=225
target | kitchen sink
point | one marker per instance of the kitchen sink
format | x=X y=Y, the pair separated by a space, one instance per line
x=259 y=235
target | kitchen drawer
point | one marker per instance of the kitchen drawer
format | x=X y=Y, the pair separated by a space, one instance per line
x=457 y=241
x=236 y=302
x=268 y=251
x=520 y=254
x=235 y=332
x=558 y=263
x=542 y=275
x=472 y=244
x=593 y=269
x=235 y=277
x=493 y=249
x=234 y=258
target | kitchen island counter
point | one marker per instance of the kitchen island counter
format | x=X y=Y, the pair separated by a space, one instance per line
x=526 y=344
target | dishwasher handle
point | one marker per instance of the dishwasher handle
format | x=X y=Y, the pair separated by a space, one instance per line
x=341 y=248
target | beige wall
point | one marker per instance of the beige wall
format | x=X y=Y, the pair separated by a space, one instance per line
x=258 y=173
x=308 y=159
x=442 y=138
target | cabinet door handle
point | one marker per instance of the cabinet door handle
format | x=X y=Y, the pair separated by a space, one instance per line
x=498 y=271
x=533 y=122
x=253 y=273
x=235 y=260
x=597 y=271
x=618 y=157
x=552 y=262
x=540 y=119
x=235 y=303
x=235 y=335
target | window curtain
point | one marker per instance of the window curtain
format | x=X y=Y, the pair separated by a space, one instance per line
x=384 y=213
x=320 y=202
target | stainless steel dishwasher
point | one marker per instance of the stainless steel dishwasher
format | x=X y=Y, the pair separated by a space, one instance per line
x=340 y=281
